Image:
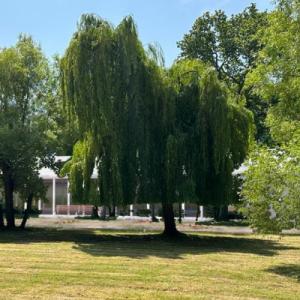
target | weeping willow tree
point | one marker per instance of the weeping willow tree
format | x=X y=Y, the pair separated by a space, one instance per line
x=213 y=132
x=224 y=134
x=79 y=170
x=114 y=90
x=154 y=135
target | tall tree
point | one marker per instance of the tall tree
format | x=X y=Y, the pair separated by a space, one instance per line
x=100 y=72
x=215 y=130
x=147 y=130
x=23 y=74
x=113 y=89
x=271 y=187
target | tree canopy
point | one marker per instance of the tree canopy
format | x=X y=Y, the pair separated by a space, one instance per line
x=271 y=186
x=231 y=46
x=23 y=147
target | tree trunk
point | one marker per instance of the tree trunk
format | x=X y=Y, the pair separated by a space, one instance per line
x=169 y=220
x=221 y=213
x=9 y=201
x=153 y=218
x=112 y=211
x=27 y=211
x=95 y=214
x=103 y=212
x=1 y=217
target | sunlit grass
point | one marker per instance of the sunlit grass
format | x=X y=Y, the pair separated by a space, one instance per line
x=61 y=264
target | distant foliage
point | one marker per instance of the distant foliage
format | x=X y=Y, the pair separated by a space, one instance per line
x=230 y=44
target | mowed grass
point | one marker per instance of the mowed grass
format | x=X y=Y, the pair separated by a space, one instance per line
x=61 y=264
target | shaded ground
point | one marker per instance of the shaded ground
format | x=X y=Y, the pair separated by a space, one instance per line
x=60 y=263
x=138 y=225
x=289 y=270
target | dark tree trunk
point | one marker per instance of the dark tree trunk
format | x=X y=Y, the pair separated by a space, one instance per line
x=221 y=213
x=1 y=217
x=27 y=211
x=103 y=212
x=95 y=214
x=169 y=220
x=9 y=201
x=179 y=213
x=153 y=218
x=112 y=211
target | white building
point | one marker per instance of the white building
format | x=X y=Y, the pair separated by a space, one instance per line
x=59 y=198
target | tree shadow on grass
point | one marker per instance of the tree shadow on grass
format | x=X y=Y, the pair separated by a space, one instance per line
x=138 y=245
x=290 y=270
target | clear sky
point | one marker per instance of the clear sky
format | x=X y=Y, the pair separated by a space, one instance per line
x=52 y=22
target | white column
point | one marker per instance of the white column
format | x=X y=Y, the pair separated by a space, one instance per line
x=68 y=197
x=183 y=209
x=201 y=212
x=40 y=205
x=53 y=197
x=148 y=206
x=131 y=210
x=25 y=205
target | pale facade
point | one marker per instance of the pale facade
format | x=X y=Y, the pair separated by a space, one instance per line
x=59 y=198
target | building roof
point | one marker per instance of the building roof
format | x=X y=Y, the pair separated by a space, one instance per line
x=47 y=173
x=240 y=171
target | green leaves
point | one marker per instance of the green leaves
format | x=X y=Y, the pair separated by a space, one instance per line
x=271 y=190
x=23 y=120
x=103 y=82
x=155 y=135
x=231 y=45
x=212 y=132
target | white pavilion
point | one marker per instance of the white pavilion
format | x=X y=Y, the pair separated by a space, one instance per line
x=59 y=198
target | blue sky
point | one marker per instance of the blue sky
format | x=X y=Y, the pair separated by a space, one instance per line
x=52 y=22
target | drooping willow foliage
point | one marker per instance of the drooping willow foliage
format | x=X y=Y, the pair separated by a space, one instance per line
x=103 y=75
x=154 y=135
x=79 y=170
x=214 y=131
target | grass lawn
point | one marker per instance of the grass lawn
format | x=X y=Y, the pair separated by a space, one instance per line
x=74 y=264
